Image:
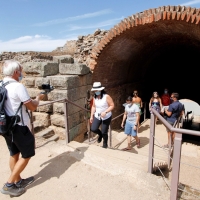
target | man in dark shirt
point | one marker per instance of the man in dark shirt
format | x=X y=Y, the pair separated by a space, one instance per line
x=174 y=111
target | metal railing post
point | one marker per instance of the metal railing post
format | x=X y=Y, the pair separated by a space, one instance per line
x=110 y=134
x=151 y=143
x=176 y=166
x=66 y=122
x=169 y=151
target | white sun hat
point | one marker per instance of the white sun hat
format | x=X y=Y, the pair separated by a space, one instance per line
x=97 y=86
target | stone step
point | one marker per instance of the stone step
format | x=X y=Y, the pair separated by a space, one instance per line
x=46 y=133
x=120 y=163
x=38 y=126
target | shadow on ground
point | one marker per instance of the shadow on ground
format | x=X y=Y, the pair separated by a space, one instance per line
x=58 y=165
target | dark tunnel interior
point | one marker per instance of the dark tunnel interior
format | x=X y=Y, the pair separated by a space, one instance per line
x=175 y=67
x=152 y=57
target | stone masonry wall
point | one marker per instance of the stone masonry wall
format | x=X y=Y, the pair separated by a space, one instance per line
x=70 y=80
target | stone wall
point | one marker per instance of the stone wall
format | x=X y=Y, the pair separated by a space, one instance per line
x=70 y=80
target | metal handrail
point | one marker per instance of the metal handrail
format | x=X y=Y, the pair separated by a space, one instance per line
x=177 y=149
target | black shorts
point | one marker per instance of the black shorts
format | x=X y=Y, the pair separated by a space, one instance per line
x=23 y=142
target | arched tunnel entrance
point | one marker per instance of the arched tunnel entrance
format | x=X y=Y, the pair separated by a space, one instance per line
x=150 y=51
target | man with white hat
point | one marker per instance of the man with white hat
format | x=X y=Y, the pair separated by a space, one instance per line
x=101 y=113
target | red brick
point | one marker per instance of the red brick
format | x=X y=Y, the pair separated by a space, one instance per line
x=174 y=15
x=169 y=14
x=164 y=15
x=183 y=15
x=178 y=16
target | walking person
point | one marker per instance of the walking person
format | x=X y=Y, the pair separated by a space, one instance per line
x=21 y=140
x=175 y=110
x=155 y=102
x=101 y=113
x=165 y=99
x=138 y=101
x=131 y=117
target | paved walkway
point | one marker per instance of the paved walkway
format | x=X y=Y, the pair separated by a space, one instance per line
x=82 y=172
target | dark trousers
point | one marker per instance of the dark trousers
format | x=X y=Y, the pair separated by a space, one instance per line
x=104 y=129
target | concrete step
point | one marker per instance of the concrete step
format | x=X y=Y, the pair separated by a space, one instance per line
x=120 y=163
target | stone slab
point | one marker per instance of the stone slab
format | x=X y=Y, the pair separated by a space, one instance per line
x=41 y=68
x=64 y=82
x=58 y=120
x=76 y=68
x=29 y=81
x=42 y=118
x=63 y=59
x=40 y=80
x=59 y=107
x=45 y=108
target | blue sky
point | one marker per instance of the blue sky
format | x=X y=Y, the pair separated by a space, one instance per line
x=43 y=25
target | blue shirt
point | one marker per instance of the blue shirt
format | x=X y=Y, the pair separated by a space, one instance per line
x=176 y=108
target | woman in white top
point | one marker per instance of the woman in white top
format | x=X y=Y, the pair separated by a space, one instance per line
x=101 y=113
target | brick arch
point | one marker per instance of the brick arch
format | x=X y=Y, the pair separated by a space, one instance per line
x=169 y=13
x=127 y=55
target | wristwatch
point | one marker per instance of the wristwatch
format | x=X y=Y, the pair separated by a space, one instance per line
x=135 y=124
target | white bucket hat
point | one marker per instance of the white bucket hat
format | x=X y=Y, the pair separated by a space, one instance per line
x=97 y=86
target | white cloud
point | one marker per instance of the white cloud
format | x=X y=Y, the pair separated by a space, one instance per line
x=189 y=3
x=34 y=43
x=106 y=23
x=75 y=18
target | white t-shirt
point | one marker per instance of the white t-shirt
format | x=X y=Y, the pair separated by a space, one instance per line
x=16 y=93
x=101 y=106
x=131 y=111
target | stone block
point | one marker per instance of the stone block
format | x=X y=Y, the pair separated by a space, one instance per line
x=83 y=91
x=42 y=118
x=39 y=81
x=28 y=81
x=63 y=59
x=77 y=130
x=76 y=68
x=33 y=92
x=46 y=108
x=76 y=118
x=58 y=120
x=73 y=109
x=89 y=79
x=65 y=82
x=61 y=132
x=72 y=94
x=59 y=107
x=41 y=68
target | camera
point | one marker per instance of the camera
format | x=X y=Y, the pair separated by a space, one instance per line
x=47 y=88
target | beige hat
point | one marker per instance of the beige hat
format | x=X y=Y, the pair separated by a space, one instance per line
x=97 y=86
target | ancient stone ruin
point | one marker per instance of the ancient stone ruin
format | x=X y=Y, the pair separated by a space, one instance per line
x=66 y=70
